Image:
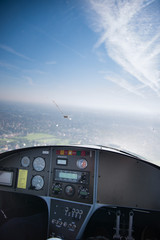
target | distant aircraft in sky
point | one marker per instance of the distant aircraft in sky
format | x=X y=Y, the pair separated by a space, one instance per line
x=59 y=109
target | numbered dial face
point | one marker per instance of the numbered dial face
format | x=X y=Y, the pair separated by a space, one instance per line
x=39 y=164
x=25 y=161
x=69 y=190
x=37 y=182
x=82 y=163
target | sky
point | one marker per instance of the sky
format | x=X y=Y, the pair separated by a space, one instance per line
x=90 y=53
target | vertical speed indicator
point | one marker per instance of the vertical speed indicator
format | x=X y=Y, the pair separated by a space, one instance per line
x=82 y=163
x=37 y=182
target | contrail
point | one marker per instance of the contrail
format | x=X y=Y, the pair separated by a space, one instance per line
x=130 y=31
x=12 y=51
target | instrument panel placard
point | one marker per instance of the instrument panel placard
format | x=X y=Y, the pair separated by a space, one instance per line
x=22 y=178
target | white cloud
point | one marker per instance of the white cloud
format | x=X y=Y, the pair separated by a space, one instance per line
x=122 y=82
x=11 y=50
x=51 y=63
x=63 y=44
x=34 y=71
x=29 y=80
x=130 y=31
x=7 y=65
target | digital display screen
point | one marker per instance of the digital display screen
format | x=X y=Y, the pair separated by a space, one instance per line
x=67 y=175
x=61 y=161
x=6 y=178
x=71 y=176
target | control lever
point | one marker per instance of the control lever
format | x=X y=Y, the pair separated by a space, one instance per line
x=130 y=230
x=117 y=234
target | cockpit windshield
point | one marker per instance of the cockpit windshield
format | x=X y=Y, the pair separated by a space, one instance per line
x=80 y=72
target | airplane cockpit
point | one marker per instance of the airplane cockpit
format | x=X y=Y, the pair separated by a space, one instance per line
x=79 y=192
x=80 y=72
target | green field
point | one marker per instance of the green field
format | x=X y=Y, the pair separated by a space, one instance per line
x=39 y=137
x=34 y=138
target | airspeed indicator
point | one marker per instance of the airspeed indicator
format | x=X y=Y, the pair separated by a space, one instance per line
x=39 y=164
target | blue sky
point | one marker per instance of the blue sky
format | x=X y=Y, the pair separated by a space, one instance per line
x=92 y=53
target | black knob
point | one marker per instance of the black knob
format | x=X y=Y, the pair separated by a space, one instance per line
x=57 y=188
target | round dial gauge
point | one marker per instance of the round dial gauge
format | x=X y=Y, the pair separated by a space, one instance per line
x=25 y=161
x=82 y=163
x=39 y=164
x=37 y=182
x=69 y=190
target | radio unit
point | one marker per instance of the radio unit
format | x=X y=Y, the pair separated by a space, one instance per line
x=71 y=176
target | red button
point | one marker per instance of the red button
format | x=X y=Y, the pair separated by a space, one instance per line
x=83 y=153
x=57 y=152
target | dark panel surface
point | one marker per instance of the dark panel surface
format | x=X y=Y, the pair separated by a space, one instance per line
x=125 y=181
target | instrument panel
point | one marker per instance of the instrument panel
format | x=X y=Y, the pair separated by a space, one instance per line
x=81 y=174
x=61 y=172
x=73 y=175
x=76 y=181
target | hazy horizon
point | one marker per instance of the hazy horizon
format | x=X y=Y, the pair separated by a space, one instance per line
x=23 y=125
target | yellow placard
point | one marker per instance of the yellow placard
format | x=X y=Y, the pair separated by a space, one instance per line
x=61 y=152
x=22 y=178
x=69 y=152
